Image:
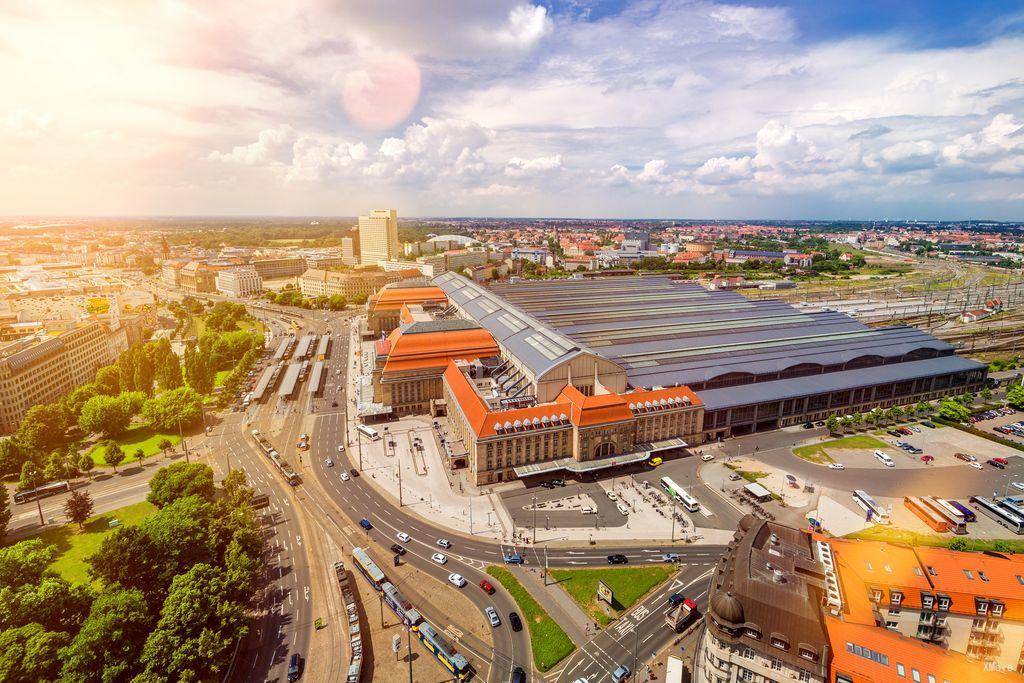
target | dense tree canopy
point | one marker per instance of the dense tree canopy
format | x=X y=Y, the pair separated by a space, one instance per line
x=180 y=480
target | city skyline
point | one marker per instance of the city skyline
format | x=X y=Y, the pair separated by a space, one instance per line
x=646 y=110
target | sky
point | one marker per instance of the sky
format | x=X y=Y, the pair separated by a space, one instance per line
x=656 y=108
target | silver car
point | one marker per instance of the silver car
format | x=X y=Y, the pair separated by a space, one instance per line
x=492 y=616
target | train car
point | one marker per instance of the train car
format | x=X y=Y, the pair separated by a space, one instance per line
x=400 y=605
x=368 y=568
x=442 y=650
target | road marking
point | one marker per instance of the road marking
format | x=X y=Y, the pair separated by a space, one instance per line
x=307 y=592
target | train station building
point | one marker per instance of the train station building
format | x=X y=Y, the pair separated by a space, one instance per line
x=583 y=374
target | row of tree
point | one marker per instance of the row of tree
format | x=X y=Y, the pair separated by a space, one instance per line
x=170 y=595
x=293 y=297
x=954 y=408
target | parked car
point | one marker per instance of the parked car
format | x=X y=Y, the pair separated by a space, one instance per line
x=808 y=425
x=975 y=465
x=997 y=462
x=966 y=457
x=621 y=673
x=928 y=423
x=354 y=472
x=617 y=559
x=518 y=675
x=707 y=457
x=893 y=432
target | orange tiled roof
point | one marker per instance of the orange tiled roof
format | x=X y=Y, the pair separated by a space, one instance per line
x=594 y=410
x=435 y=349
x=946 y=666
x=394 y=298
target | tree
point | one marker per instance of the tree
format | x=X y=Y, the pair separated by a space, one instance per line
x=106 y=415
x=986 y=394
x=181 y=406
x=53 y=601
x=179 y=480
x=832 y=424
x=108 y=380
x=1015 y=396
x=923 y=407
x=140 y=455
x=148 y=555
x=857 y=419
x=86 y=463
x=56 y=467
x=113 y=453
x=165 y=445
x=25 y=562
x=954 y=411
x=31 y=477
x=42 y=429
x=198 y=624
x=78 y=507
x=77 y=398
x=5 y=512
x=11 y=456
x=108 y=645
x=30 y=654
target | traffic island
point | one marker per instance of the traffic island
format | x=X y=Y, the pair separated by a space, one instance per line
x=548 y=642
x=625 y=586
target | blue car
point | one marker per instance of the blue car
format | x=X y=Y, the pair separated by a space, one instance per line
x=365 y=523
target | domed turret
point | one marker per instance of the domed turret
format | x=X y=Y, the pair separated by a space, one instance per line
x=727 y=608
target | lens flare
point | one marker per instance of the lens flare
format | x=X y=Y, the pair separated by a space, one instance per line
x=382 y=93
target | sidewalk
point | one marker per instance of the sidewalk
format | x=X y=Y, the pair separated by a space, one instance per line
x=557 y=602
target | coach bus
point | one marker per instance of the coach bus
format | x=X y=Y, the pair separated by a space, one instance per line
x=369 y=432
x=966 y=512
x=368 y=568
x=679 y=493
x=443 y=651
x=1004 y=517
x=876 y=513
x=400 y=605
x=957 y=523
x=44 y=491
x=926 y=514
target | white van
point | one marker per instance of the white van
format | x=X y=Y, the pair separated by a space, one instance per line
x=884 y=458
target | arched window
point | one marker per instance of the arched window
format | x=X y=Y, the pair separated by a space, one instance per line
x=603 y=450
x=801 y=370
x=864 y=362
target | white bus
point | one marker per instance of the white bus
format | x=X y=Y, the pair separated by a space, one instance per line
x=679 y=493
x=369 y=432
x=878 y=514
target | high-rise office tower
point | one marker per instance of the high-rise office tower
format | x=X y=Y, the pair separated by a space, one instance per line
x=378 y=236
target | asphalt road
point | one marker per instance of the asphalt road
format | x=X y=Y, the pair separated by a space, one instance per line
x=640 y=633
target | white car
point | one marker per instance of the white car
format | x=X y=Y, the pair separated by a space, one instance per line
x=328 y=462
x=344 y=476
x=836 y=466
x=402 y=536
x=612 y=496
x=914 y=428
x=439 y=558
x=1017 y=485
x=707 y=457
x=976 y=465
x=444 y=543
x=341 y=448
x=457 y=580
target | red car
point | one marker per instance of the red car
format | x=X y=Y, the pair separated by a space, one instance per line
x=486 y=585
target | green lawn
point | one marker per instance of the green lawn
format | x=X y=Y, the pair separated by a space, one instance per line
x=912 y=538
x=74 y=545
x=218 y=379
x=815 y=452
x=628 y=585
x=549 y=642
x=133 y=439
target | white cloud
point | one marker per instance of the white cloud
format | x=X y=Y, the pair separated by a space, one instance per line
x=267 y=148
x=520 y=168
x=527 y=25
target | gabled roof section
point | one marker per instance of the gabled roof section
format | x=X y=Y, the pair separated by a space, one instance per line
x=534 y=344
x=434 y=348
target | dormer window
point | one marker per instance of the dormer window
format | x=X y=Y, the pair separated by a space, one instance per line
x=997 y=609
x=753 y=633
x=779 y=643
x=927 y=601
x=982 y=606
x=896 y=597
x=808 y=654
x=944 y=603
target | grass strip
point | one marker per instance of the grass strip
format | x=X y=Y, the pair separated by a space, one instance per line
x=549 y=643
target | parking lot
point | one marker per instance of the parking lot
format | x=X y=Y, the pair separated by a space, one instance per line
x=1002 y=421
